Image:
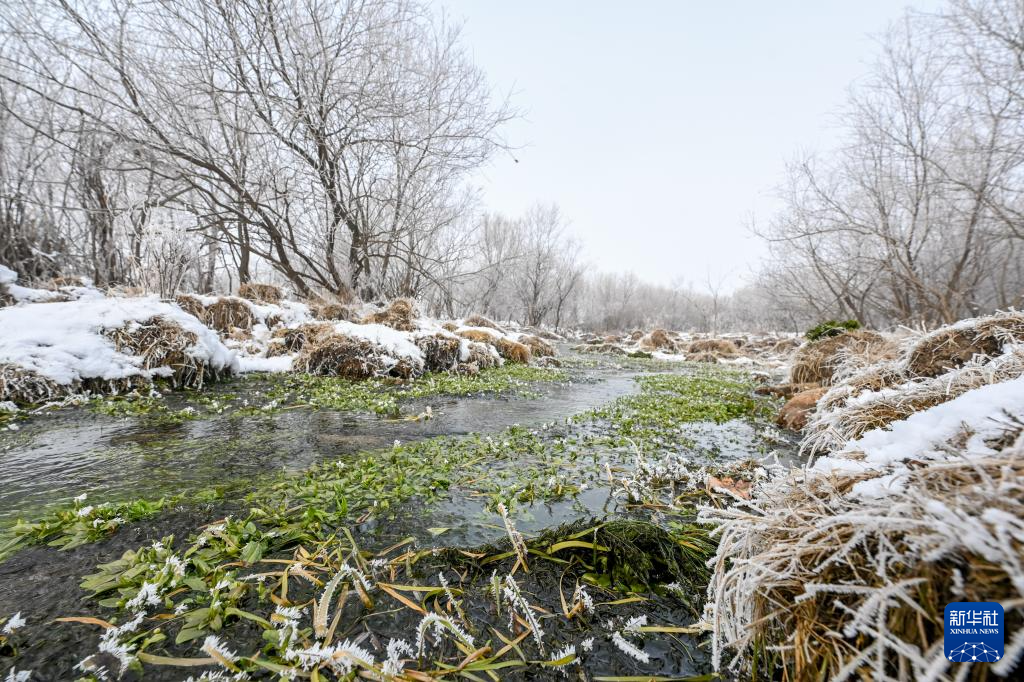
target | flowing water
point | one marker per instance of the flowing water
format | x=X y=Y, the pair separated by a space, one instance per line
x=62 y=453
x=57 y=455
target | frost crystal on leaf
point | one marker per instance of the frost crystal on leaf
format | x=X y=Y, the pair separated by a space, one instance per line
x=627 y=647
x=396 y=648
x=213 y=646
x=15 y=622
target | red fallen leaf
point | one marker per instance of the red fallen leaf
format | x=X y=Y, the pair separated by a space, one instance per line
x=738 y=488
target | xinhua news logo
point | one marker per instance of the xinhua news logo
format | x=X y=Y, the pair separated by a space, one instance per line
x=974 y=632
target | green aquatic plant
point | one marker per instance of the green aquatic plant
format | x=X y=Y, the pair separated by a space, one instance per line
x=153 y=409
x=80 y=524
x=253 y=578
x=383 y=396
x=831 y=328
x=517 y=466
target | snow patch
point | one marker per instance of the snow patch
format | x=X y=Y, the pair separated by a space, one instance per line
x=64 y=341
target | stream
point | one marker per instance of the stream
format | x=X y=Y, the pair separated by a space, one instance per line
x=63 y=453
x=59 y=454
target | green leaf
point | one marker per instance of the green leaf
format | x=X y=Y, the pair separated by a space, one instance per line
x=253 y=552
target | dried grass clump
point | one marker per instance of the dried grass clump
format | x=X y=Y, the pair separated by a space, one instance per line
x=875 y=378
x=818 y=361
x=5 y=297
x=400 y=315
x=294 y=339
x=65 y=281
x=260 y=293
x=976 y=352
x=344 y=356
x=657 y=340
x=636 y=335
x=162 y=343
x=479 y=336
x=120 y=291
x=441 y=353
x=544 y=334
x=513 y=351
x=953 y=346
x=538 y=346
x=332 y=311
x=785 y=346
x=481 y=321
x=703 y=357
x=838 y=421
x=479 y=356
x=720 y=347
x=191 y=305
x=449 y=326
x=227 y=313
x=818 y=583
x=25 y=386
x=601 y=348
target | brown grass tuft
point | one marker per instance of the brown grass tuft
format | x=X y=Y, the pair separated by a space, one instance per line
x=479 y=336
x=538 y=346
x=294 y=339
x=954 y=346
x=702 y=357
x=191 y=305
x=818 y=361
x=260 y=293
x=829 y=585
x=227 y=313
x=64 y=281
x=720 y=347
x=160 y=342
x=332 y=311
x=601 y=348
x=440 y=352
x=513 y=351
x=344 y=356
x=837 y=422
x=400 y=315
x=658 y=340
x=481 y=321
x=24 y=386
x=481 y=356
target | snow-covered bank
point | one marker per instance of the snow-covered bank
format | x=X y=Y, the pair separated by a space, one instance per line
x=767 y=351
x=915 y=499
x=73 y=343
x=55 y=343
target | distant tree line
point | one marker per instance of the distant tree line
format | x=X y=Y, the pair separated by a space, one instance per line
x=917 y=217
x=329 y=146
x=172 y=142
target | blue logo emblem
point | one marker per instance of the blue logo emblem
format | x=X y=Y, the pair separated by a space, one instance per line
x=974 y=631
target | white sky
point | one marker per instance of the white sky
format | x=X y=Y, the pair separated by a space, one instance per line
x=662 y=127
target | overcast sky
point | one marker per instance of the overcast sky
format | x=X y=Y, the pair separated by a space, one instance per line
x=660 y=128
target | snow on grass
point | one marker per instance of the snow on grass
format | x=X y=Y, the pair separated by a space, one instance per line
x=290 y=313
x=399 y=344
x=64 y=341
x=20 y=294
x=494 y=333
x=253 y=363
x=980 y=412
